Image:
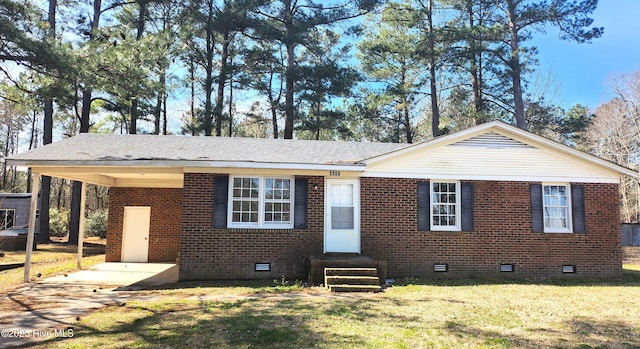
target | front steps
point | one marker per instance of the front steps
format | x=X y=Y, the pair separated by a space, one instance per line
x=631 y=255
x=352 y=280
x=347 y=272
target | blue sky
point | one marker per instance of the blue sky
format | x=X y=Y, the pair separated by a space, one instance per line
x=583 y=71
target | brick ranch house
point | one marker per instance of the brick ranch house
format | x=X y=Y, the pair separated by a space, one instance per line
x=489 y=201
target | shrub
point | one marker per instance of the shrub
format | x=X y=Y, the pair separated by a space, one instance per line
x=58 y=222
x=96 y=224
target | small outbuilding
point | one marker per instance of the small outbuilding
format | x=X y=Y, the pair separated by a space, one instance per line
x=14 y=220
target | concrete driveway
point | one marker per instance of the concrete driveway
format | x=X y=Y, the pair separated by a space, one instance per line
x=49 y=310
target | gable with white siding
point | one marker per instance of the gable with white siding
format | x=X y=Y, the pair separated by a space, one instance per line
x=494 y=152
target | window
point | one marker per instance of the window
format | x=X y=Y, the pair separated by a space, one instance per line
x=7 y=218
x=556 y=201
x=445 y=206
x=260 y=202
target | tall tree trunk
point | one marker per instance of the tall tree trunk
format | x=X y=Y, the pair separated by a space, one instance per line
x=222 y=81
x=516 y=67
x=6 y=151
x=433 y=88
x=45 y=186
x=59 y=192
x=133 y=111
x=33 y=142
x=74 y=219
x=76 y=192
x=208 y=82
x=159 y=101
x=475 y=62
x=408 y=130
x=76 y=188
x=289 y=72
x=231 y=105
x=164 y=114
x=288 y=95
x=47 y=138
x=273 y=106
x=133 y=115
x=192 y=75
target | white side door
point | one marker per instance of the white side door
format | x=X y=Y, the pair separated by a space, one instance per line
x=135 y=234
x=342 y=224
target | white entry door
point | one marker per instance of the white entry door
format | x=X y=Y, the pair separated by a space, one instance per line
x=342 y=225
x=135 y=234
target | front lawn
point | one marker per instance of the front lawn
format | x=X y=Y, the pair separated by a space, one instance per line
x=420 y=314
x=49 y=260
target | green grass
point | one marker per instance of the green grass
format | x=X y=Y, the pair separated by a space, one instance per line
x=48 y=260
x=420 y=314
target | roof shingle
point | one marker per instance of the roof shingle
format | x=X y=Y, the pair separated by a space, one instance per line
x=100 y=147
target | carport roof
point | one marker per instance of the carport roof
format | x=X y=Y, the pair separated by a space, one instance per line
x=161 y=161
x=95 y=149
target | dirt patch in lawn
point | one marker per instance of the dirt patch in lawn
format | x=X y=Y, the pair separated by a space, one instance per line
x=19 y=302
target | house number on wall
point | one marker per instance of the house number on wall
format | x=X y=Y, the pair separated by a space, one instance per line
x=334 y=173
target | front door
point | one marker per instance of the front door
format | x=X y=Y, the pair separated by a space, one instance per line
x=342 y=225
x=135 y=234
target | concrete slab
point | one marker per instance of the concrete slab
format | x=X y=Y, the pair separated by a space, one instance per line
x=73 y=295
x=121 y=274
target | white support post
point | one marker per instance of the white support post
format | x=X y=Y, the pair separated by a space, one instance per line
x=83 y=200
x=35 y=188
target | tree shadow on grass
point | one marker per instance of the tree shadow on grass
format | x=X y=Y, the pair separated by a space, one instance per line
x=246 y=323
x=575 y=333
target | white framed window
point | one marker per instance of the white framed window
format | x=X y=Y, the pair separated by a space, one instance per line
x=7 y=218
x=260 y=202
x=445 y=206
x=556 y=207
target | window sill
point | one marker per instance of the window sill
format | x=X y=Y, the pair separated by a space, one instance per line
x=262 y=227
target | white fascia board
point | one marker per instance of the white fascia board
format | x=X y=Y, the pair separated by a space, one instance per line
x=91 y=178
x=272 y=166
x=492 y=178
x=177 y=166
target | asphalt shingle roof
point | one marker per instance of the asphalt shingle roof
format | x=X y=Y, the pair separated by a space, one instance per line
x=100 y=147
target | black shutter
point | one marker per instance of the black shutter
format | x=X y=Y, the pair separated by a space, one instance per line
x=577 y=209
x=424 y=214
x=300 y=204
x=467 y=206
x=537 y=217
x=221 y=198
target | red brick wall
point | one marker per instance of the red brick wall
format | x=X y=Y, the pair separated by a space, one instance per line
x=164 y=230
x=389 y=232
x=502 y=234
x=208 y=253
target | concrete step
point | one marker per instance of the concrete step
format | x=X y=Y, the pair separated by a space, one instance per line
x=351 y=280
x=355 y=288
x=631 y=255
x=351 y=271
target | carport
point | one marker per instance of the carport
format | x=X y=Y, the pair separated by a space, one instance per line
x=82 y=158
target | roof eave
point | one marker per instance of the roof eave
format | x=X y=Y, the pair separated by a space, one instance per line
x=187 y=163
